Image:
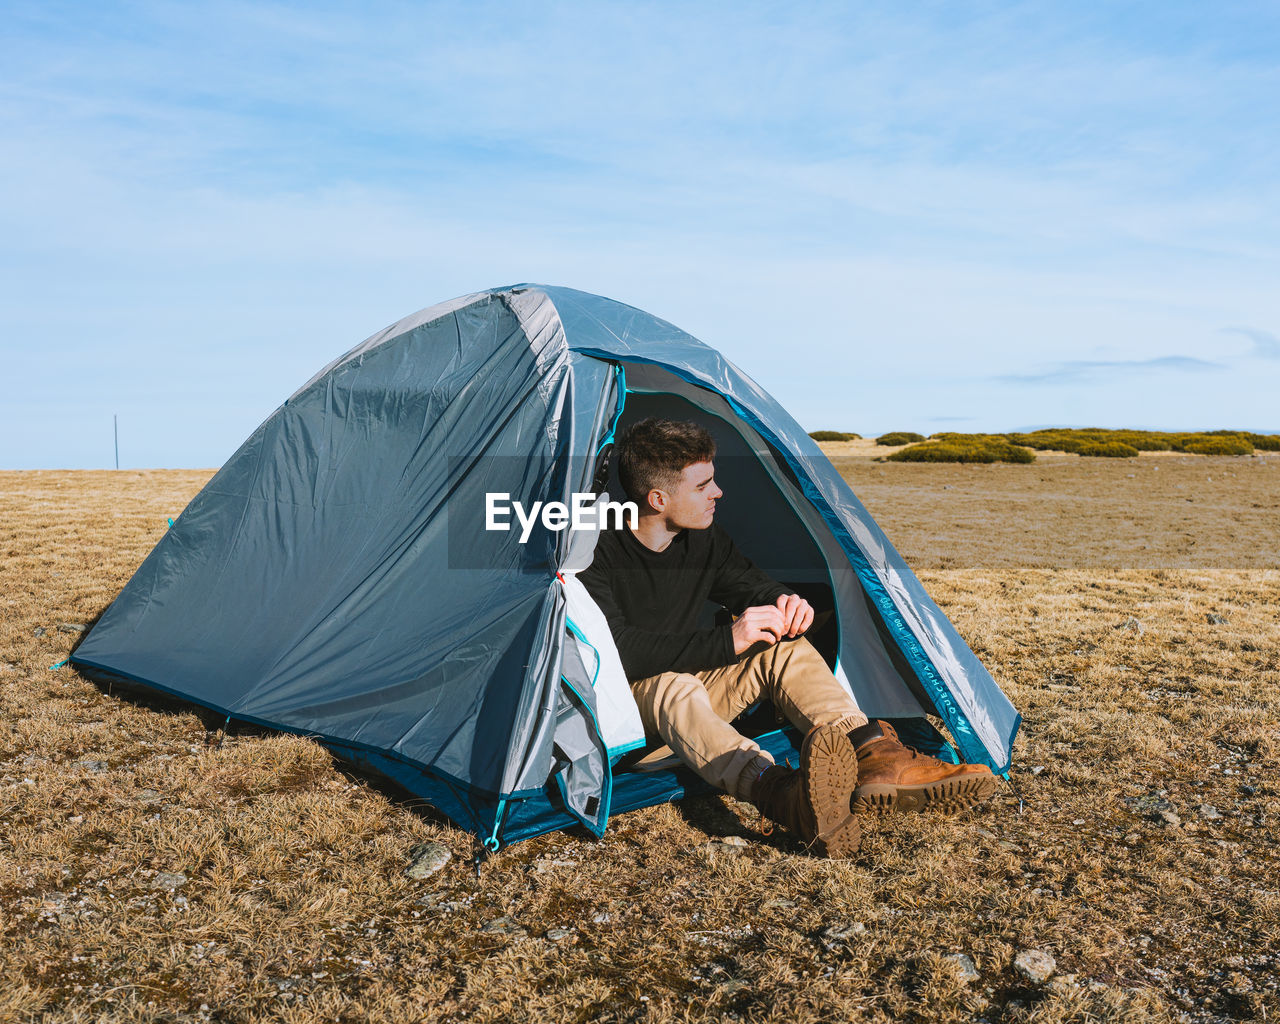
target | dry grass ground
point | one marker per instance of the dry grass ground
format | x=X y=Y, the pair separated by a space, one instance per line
x=147 y=875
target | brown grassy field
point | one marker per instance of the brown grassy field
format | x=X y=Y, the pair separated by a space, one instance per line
x=1128 y=607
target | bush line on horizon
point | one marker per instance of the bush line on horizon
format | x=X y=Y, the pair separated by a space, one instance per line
x=1091 y=442
x=964 y=448
x=898 y=437
x=834 y=435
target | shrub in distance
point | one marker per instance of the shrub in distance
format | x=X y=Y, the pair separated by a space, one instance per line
x=1108 y=450
x=1096 y=442
x=1265 y=442
x=1214 y=442
x=834 y=435
x=1204 y=444
x=899 y=437
x=965 y=448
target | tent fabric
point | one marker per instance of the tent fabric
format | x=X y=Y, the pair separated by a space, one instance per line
x=982 y=720
x=335 y=578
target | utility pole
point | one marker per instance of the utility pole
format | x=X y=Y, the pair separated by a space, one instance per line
x=115 y=420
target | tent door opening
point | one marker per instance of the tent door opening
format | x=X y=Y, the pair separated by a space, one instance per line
x=773 y=523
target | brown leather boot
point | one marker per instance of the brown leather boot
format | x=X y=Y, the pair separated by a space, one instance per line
x=893 y=777
x=813 y=800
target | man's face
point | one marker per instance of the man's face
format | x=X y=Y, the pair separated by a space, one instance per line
x=691 y=503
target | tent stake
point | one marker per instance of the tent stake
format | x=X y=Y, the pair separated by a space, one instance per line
x=1016 y=792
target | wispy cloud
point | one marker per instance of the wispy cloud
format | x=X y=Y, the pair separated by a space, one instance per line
x=817 y=190
x=1084 y=371
x=1265 y=344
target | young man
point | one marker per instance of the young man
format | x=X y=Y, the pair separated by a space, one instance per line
x=690 y=683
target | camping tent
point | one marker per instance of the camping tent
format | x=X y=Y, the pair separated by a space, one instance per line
x=338 y=577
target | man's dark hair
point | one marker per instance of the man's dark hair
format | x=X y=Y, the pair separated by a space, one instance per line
x=653 y=453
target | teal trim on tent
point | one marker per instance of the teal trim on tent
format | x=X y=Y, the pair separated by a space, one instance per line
x=572 y=628
x=620 y=379
x=626 y=748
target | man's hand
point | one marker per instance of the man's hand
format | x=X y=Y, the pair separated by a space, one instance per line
x=797 y=614
x=762 y=622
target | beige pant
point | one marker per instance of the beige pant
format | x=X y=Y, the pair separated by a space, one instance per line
x=691 y=713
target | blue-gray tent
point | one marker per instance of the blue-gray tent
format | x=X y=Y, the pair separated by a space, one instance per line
x=339 y=578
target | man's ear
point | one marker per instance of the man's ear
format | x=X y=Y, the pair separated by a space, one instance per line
x=657 y=500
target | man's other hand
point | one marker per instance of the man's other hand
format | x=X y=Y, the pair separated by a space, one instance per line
x=797 y=614
x=762 y=622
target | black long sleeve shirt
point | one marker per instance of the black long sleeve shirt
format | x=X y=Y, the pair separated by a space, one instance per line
x=652 y=599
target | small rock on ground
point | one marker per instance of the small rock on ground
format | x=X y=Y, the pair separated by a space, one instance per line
x=1209 y=812
x=558 y=934
x=426 y=859
x=545 y=866
x=93 y=767
x=1035 y=965
x=169 y=880
x=71 y=627
x=1150 y=805
x=505 y=926
x=731 y=845
x=965 y=967
x=843 y=931
x=1216 y=620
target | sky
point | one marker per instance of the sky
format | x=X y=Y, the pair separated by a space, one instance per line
x=950 y=216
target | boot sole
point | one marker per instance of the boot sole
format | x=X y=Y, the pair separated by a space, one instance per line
x=832 y=773
x=948 y=796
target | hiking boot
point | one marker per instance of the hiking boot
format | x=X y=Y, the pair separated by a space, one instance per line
x=813 y=800
x=893 y=777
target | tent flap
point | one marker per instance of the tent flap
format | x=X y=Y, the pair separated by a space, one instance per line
x=582 y=759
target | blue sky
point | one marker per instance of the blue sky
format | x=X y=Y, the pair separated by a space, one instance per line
x=924 y=217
